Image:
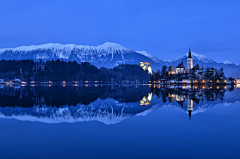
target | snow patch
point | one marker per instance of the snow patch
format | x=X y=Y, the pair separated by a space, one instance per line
x=226 y=62
x=198 y=57
x=155 y=59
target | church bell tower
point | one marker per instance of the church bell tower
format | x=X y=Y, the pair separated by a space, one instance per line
x=189 y=61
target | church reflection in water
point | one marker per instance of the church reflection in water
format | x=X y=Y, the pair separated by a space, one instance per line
x=109 y=104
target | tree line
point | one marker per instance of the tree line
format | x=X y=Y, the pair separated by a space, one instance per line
x=59 y=70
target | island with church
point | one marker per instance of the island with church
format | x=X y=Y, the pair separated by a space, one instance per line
x=188 y=75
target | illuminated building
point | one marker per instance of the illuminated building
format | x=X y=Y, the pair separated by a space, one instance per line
x=180 y=69
x=189 y=61
x=171 y=70
x=146 y=66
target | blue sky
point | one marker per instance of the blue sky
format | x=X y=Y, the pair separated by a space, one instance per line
x=164 y=29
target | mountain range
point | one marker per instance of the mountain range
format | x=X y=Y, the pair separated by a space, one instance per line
x=108 y=55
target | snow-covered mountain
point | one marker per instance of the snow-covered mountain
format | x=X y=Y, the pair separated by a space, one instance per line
x=155 y=59
x=226 y=62
x=108 y=54
x=106 y=111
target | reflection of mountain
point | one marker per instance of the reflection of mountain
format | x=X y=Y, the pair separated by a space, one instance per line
x=108 y=111
x=107 y=104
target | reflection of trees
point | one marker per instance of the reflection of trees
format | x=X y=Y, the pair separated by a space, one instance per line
x=197 y=95
x=60 y=96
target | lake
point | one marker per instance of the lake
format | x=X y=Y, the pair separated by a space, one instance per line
x=119 y=121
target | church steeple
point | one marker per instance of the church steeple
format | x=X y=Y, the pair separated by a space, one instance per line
x=189 y=53
x=189 y=114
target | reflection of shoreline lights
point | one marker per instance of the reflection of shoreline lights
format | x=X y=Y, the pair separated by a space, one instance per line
x=238 y=86
x=146 y=66
x=96 y=85
x=237 y=81
x=86 y=85
x=75 y=85
x=172 y=95
x=146 y=100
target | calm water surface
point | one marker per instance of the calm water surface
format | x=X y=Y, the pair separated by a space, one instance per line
x=119 y=121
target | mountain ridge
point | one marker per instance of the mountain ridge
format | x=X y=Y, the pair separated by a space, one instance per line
x=108 y=55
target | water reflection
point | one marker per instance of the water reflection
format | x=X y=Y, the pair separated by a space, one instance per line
x=109 y=104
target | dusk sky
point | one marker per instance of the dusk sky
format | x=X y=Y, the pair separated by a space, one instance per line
x=165 y=29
